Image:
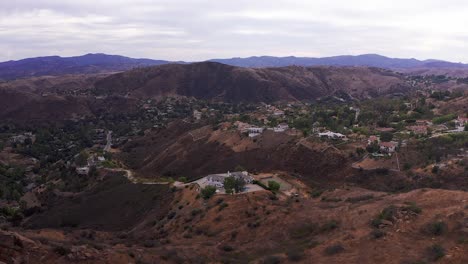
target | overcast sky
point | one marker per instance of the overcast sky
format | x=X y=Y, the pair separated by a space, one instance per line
x=193 y=30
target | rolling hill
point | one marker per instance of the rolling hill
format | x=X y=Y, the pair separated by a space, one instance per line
x=216 y=81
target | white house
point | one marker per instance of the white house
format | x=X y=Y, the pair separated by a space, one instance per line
x=332 y=135
x=255 y=131
x=388 y=147
x=281 y=127
x=278 y=113
x=82 y=170
x=217 y=180
x=197 y=114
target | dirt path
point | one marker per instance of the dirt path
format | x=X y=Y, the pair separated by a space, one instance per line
x=130 y=176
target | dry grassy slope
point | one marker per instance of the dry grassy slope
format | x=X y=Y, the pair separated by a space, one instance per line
x=173 y=151
x=26 y=106
x=112 y=204
x=252 y=226
x=210 y=80
x=51 y=84
x=457 y=105
x=255 y=226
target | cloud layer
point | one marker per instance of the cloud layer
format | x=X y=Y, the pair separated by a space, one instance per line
x=202 y=29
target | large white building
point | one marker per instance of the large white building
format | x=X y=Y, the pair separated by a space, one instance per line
x=217 y=180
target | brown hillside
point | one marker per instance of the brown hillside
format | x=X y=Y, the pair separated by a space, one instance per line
x=210 y=80
x=253 y=228
x=174 y=152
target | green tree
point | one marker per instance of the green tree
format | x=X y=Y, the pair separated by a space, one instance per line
x=274 y=186
x=373 y=147
x=82 y=158
x=232 y=184
x=239 y=168
x=229 y=184
x=239 y=185
x=208 y=192
x=386 y=136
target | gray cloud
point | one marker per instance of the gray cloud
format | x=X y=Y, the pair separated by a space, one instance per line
x=203 y=29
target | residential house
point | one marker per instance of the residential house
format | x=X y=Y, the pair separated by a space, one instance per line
x=82 y=170
x=22 y=138
x=281 y=127
x=332 y=135
x=255 y=131
x=197 y=114
x=217 y=180
x=278 y=112
x=388 y=147
x=423 y=122
x=418 y=130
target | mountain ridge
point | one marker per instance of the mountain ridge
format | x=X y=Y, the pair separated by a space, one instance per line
x=104 y=63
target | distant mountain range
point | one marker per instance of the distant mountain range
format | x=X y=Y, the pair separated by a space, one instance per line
x=55 y=65
x=371 y=60
x=103 y=63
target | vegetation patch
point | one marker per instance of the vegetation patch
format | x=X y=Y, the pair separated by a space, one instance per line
x=303 y=231
x=334 y=249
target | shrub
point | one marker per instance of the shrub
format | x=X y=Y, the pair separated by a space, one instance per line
x=149 y=244
x=222 y=206
x=295 y=255
x=316 y=193
x=271 y=260
x=360 y=198
x=196 y=212
x=171 y=215
x=219 y=201
x=303 y=231
x=259 y=183
x=412 y=207
x=388 y=213
x=334 y=249
x=331 y=199
x=437 y=228
x=208 y=192
x=62 y=251
x=329 y=226
x=274 y=186
x=436 y=252
x=378 y=234
x=227 y=248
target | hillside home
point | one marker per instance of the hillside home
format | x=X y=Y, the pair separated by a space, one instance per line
x=22 y=138
x=278 y=113
x=418 y=130
x=197 y=114
x=217 y=180
x=82 y=170
x=281 y=127
x=255 y=131
x=388 y=147
x=332 y=135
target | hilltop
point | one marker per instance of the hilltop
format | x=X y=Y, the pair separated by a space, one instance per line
x=216 y=81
